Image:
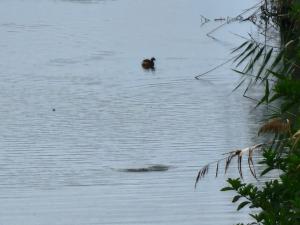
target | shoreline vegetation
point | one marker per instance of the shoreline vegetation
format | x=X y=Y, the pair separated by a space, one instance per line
x=275 y=68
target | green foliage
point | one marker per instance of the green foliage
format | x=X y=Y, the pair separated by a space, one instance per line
x=295 y=10
x=277 y=201
x=289 y=89
x=252 y=52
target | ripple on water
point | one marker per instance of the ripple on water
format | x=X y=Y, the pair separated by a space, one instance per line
x=83 y=60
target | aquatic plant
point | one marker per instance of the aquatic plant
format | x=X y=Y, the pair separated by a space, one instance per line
x=278 y=200
x=228 y=159
x=276 y=68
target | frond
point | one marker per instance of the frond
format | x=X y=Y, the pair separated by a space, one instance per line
x=202 y=172
x=228 y=159
x=276 y=126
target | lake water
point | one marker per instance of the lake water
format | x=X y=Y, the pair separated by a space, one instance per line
x=77 y=110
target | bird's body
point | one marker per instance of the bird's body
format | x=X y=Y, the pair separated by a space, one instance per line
x=148 y=63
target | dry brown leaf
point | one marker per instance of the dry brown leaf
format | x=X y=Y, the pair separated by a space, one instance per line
x=296 y=138
x=276 y=125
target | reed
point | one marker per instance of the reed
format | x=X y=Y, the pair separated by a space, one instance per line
x=277 y=70
x=248 y=152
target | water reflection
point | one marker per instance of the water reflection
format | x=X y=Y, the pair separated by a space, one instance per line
x=56 y=166
x=85 y=1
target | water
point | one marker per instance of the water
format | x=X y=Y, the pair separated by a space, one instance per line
x=69 y=166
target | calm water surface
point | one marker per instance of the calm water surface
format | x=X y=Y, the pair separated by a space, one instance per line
x=82 y=58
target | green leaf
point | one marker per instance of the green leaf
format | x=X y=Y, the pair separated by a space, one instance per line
x=277 y=75
x=227 y=189
x=244 y=52
x=242 y=205
x=274 y=97
x=239 y=85
x=241 y=46
x=265 y=98
x=258 y=55
x=266 y=60
x=277 y=59
x=240 y=72
x=246 y=56
x=236 y=198
x=266 y=171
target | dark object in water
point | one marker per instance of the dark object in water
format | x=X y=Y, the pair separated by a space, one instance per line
x=53 y=110
x=148 y=63
x=220 y=19
x=153 y=168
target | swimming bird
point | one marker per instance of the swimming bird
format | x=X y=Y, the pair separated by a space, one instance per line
x=148 y=63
